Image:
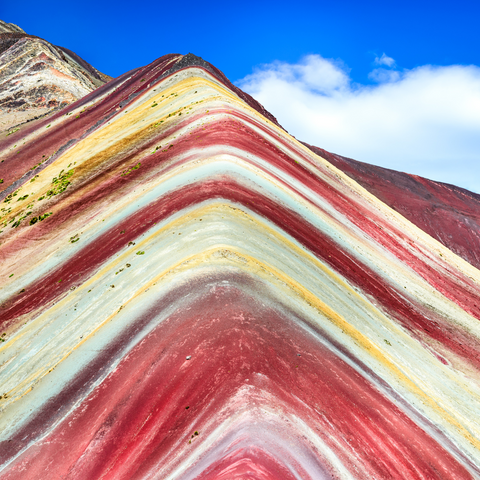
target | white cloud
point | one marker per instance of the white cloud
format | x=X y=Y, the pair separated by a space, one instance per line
x=384 y=60
x=424 y=121
x=382 y=75
x=313 y=72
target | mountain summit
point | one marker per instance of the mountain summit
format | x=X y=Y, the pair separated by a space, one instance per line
x=9 y=28
x=188 y=292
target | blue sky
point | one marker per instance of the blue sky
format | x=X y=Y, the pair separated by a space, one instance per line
x=385 y=52
x=235 y=36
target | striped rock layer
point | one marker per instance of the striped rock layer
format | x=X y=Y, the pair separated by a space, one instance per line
x=188 y=292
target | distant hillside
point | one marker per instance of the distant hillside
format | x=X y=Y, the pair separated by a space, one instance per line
x=9 y=28
x=448 y=213
x=37 y=77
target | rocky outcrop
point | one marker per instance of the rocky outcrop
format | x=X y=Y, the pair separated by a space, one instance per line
x=37 y=77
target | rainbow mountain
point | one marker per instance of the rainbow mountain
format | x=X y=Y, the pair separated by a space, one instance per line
x=189 y=292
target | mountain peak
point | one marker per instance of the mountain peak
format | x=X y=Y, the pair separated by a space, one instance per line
x=9 y=28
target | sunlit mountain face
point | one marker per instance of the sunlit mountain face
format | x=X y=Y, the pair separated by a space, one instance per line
x=189 y=292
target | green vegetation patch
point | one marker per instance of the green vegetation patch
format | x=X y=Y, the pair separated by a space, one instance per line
x=12 y=131
x=61 y=182
x=19 y=221
x=130 y=170
x=9 y=197
x=40 y=218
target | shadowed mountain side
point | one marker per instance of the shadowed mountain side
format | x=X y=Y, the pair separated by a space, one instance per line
x=448 y=213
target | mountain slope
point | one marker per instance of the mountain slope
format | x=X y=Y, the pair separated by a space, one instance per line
x=189 y=292
x=36 y=77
